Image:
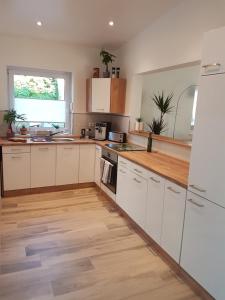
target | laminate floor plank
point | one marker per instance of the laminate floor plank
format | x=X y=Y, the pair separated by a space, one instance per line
x=74 y=245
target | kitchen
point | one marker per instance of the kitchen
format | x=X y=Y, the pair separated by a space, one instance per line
x=85 y=218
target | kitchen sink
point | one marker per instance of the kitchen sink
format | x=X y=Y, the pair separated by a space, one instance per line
x=63 y=139
x=49 y=139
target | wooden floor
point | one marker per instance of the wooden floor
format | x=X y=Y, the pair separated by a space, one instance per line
x=74 y=245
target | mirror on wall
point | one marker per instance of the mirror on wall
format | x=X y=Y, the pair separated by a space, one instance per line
x=181 y=85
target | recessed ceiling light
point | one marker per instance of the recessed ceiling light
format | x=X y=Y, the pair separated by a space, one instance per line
x=39 y=23
x=111 y=23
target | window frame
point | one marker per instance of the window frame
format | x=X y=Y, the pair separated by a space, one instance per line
x=67 y=76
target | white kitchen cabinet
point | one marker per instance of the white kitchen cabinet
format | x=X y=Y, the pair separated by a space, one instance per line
x=123 y=192
x=106 y=95
x=203 y=245
x=173 y=219
x=67 y=164
x=207 y=165
x=213 y=58
x=138 y=189
x=154 y=210
x=100 y=94
x=43 y=165
x=16 y=170
x=98 y=154
x=87 y=163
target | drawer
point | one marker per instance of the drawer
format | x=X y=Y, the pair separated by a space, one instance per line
x=175 y=189
x=155 y=178
x=138 y=170
x=16 y=149
x=43 y=148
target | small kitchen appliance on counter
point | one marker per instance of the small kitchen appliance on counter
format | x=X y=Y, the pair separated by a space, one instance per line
x=102 y=131
x=116 y=136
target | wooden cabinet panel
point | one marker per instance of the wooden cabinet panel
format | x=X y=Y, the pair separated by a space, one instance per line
x=203 y=245
x=16 y=171
x=67 y=164
x=154 y=211
x=87 y=163
x=173 y=219
x=118 y=94
x=43 y=165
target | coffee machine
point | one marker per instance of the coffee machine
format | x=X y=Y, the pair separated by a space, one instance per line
x=102 y=130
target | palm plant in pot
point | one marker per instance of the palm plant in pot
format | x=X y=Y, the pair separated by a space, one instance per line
x=164 y=105
x=10 y=117
x=106 y=59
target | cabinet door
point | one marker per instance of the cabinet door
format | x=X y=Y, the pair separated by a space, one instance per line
x=43 y=165
x=138 y=188
x=213 y=58
x=87 y=163
x=67 y=164
x=207 y=166
x=98 y=171
x=123 y=188
x=16 y=171
x=101 y=94
x=203 y=245
x=117 y=95
x=154 y=212
x=173 y=219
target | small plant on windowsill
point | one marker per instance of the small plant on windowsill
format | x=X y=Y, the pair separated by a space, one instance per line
x=10 y=117
x=23 y=130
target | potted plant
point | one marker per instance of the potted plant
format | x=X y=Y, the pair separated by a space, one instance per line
x=10 y=117
x=139 y=125
x=163 y=103
x=23 y=130
x=106 y=59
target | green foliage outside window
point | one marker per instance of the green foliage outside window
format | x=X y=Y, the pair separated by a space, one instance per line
x=32 y=87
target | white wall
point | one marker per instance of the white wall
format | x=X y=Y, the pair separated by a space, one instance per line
x=50 y=55
x=175 y=39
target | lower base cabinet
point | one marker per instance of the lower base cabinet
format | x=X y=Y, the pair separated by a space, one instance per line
x=154 y=212
x=16 y=171
x=173 y=219
x=43 y=165
x=98 y=154
x=67 y=164
x=203 y=247
x=87 y=163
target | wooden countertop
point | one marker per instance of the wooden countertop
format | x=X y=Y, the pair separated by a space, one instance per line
x=169 y=167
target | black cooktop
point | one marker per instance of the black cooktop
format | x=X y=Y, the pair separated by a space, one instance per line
x=125 y=147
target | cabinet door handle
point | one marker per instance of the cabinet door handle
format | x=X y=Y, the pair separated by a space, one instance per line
x=211 y=65
x=16 y=149
x=42 y=149
x=135 y=179
x=195 y=187
x=123 y=172
x=138 y=171
x=155 y=180
x=123 y=163
x=100 y=109
x=68 y=148
x=173 y=190
x=195 y=203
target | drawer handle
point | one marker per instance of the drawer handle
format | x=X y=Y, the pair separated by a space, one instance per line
x=195 y=203
x=43 y=149
x=100 y=109
x=211 y=65
x=138 y=171
x=68 y=148
x=197 y=188
x=123 y=163
x=155 y=180
x=123 y=172
x=16 y=149
x=135 y=179
x=172 y=190
x=16 y=157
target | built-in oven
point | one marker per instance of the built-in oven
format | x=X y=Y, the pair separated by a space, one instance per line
x=112 y=158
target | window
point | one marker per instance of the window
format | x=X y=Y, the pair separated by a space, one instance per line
x=43 y=96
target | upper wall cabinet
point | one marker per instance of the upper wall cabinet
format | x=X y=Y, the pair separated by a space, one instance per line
x=213 y=58
x=106 y=95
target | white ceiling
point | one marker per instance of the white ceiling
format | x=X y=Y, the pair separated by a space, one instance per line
x=81 y=21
